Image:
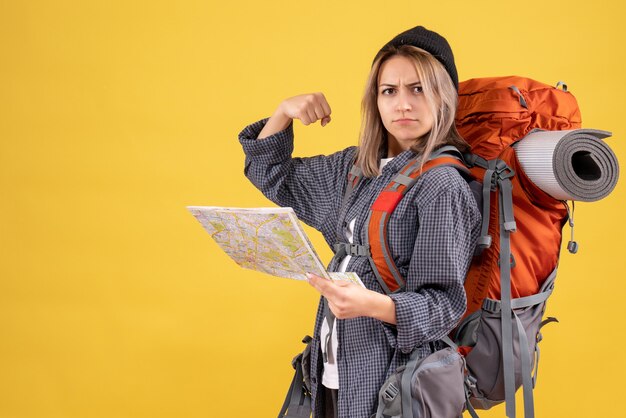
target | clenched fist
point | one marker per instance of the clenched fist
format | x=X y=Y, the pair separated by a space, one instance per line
x=308 y=108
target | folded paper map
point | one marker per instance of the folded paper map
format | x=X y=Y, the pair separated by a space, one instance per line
x=270 y=240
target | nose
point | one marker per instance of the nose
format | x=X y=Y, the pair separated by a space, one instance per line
x=404 y=101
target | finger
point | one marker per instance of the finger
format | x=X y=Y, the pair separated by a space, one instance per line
x=319 y=283
x=322 y=109
x=325 y=105
x=303 y=115
x=319 y=111
x=339 y=312
x=310 y=111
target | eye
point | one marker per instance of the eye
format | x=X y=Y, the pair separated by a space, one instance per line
x=419 y=89
x=387 y=89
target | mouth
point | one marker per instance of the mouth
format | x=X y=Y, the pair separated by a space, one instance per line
x=405 y=120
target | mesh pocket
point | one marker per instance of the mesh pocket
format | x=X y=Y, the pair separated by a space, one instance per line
x=484 y=362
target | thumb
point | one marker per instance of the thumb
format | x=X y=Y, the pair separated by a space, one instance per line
x=325 y=120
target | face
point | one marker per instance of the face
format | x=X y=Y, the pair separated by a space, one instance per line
x=402 y=104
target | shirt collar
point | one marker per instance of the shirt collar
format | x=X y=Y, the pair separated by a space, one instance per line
x=399 y=161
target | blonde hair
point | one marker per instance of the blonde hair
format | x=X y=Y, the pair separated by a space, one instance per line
x=441 y=96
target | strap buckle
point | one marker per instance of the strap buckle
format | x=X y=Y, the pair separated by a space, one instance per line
x=491 y=305
x=390 y=392
x=482 y=243
x=355 y=250
x=503 y=170
x=360 y=250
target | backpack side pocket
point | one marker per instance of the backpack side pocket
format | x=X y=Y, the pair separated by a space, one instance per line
x=431 y=387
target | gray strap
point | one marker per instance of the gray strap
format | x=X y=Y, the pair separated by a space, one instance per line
x=473 y=160
x=402 y=179
x=529 y=408
x=404 y=176
x=450 y=150
x=411 y=166
x=340 y=250
x=506 y=188
x=517 y=303
x=505 y=314
x=469 y=406
x=330 y=319
x=484 y=241
x=530 y=300
x=405 y=385
x=355 y=171
x=354 y=250
x=572 y=245
x=537 y=355
x=522 y=101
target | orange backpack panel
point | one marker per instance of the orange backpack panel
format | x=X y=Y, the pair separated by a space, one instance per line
x=493 y=114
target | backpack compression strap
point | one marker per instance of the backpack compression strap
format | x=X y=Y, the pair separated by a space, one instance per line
x=380 y=258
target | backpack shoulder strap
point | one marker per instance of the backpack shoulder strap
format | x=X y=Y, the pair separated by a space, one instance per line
x=380 y=258
x=354 y=176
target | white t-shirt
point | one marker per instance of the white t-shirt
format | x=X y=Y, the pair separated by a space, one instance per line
x=330 y=375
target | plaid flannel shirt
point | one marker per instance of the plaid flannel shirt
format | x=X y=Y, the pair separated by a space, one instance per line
x=431 y=233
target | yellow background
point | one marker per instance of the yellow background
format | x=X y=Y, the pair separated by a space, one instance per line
x=115 y=115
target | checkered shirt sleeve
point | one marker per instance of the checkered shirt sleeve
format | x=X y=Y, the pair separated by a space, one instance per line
x=308 y=184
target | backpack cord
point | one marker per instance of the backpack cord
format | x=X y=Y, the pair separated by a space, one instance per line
x=572 y=246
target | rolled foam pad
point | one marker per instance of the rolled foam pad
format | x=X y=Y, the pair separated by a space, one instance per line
x=569 y=165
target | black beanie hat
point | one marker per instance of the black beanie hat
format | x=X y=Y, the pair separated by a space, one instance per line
x=429 y=41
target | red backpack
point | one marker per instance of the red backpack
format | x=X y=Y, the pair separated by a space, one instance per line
x=517 y=253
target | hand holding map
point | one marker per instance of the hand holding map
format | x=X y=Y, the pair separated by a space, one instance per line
x=270 y=240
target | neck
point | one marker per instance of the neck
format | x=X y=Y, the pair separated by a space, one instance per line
x=393 y=149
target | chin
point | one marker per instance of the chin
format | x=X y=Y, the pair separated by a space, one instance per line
x=408 y=139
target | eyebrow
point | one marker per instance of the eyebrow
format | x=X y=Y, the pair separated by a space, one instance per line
x=416 y=83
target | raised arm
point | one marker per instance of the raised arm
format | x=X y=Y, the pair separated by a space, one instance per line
x=312 y=186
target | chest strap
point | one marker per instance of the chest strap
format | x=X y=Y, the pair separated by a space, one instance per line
x=343 y=249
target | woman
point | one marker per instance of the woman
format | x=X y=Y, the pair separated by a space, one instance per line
x=408 y=112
